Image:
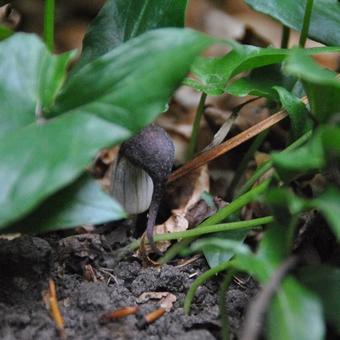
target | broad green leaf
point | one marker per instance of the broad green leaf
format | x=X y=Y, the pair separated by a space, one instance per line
x=38 y=160
x=325 y=20
x=212 y=75
x=321 y=85
x=5 y=32
x=131 y=84
x=325 y=282
x=328 y=203
x=83 y=202
x=121 y=20
x=29 y=77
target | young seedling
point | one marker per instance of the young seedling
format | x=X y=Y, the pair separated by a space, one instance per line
x=148 y=155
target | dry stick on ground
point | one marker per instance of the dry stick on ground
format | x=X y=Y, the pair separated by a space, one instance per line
x=230 y=144
x=257 y=310
x=55 y=311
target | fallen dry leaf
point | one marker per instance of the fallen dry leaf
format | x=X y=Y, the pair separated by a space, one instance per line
x=182 y=195
x=166 y=299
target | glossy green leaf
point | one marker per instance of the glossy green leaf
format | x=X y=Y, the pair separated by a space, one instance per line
x=325 y=20
x=121 y=20
x=320 y=84
x=38 y=160
x=29 y=77
x=5 y=32
x=325 y=282
x=212 y=75
x=132 y=84
x=83 y=202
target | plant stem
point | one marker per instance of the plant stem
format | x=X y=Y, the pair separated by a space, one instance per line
x=222 y=303
x=306 y=22
x=49 y=24
x=220 y=216
x=236 y=205
x=195 y=128
x=201 y=279
x=266 y=166
x=239 y=172
x=285 y=36
x=249 y=224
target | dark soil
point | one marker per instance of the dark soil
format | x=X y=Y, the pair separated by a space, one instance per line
x=27 y=263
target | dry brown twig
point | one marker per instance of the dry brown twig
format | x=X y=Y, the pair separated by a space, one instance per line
x=230 y=144
x=54 y=308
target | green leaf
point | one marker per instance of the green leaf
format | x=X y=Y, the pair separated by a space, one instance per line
x=29 y=77
x=215 y=255
x=309 y=157
x=313 y=156
x=297 y=111
x=247 y=87
x=131 y=84
x=325 y=282
x=320 y=84
x=128 y=86
x=121 y=20
x=38 y=160
x=295 y=314
x=325 y=19
x=284 y=204
x=83 y=202
x=328 y=203
x=5 y=32
x=212 y=75
x=54 y=69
